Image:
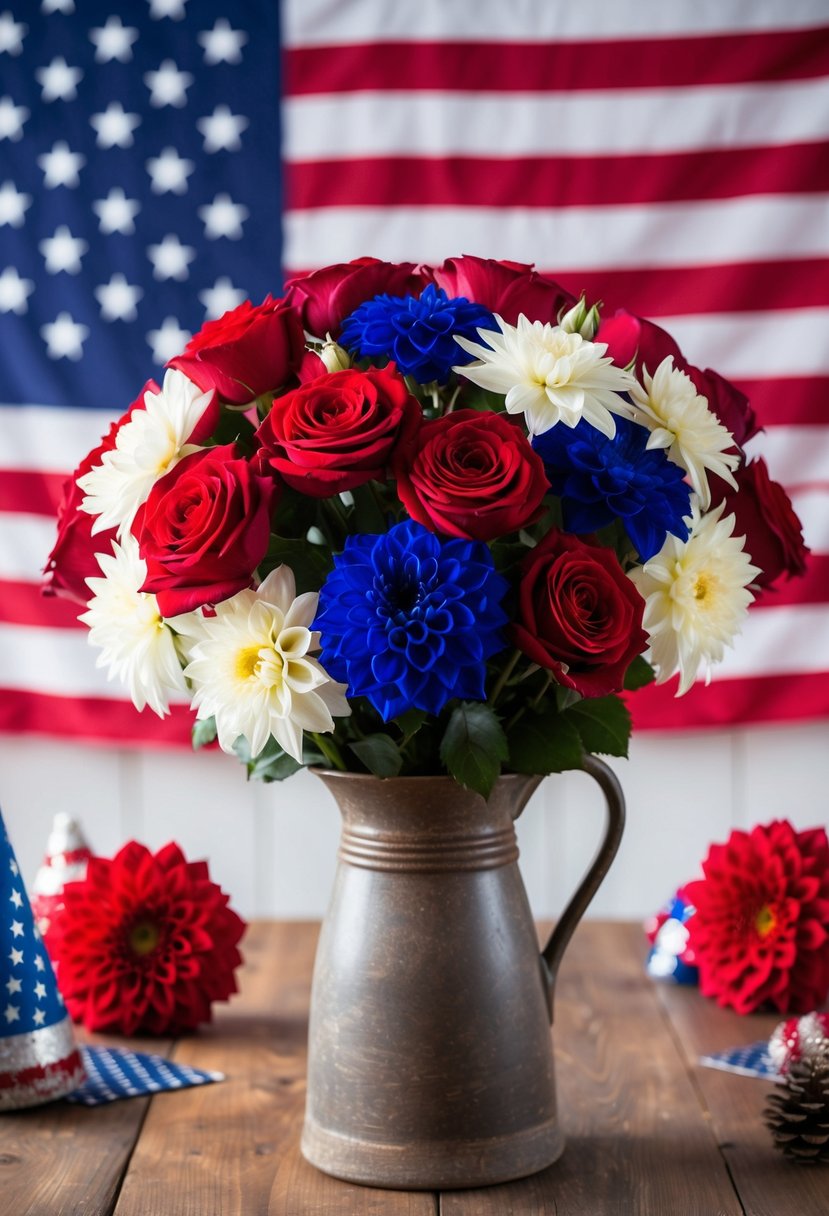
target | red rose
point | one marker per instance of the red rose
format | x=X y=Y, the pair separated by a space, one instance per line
x=579 y=614
x=761 y=927
x=249 y=351
x=325 y=298
x=204 y=529
x=508 y=288
x=471 y=474
x=338 y=431
x=72 y=560
x=765 y=516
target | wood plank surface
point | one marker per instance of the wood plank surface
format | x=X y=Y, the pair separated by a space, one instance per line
x=233 y=1148
x=67 y=1160
x=638 y=1141
x=768 y=1184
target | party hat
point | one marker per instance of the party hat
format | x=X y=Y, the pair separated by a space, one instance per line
x=67 y=854
x=38 y=1057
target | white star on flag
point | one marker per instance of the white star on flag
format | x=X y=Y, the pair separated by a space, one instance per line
x=39 y=1017
x=63 y=251
x=113 y=41
x=220 y=298
x=12 y=1013
x=17 y=928
x=12 y=118
x=13 y=867
x=16 y=957
x=12 y=34
x=114 y=126
x=58 y=81
x=40 y=991
x=223 y=217
x=13 y=205
x=168 y=86
x=13 y=985
x=16 y=898
x=167 y=8
x=169 y=172
x=222 y=44
x=222 y=130
x=118 y=299
x=60 y=166
x=14 y=291
x=116 y=212
x=168 y=341
x=64 y=337
x=39 y=963
x=57 y=6
x=171 y=259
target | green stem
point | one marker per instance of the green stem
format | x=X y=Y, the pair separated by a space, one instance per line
x=542 y=692
x=330 y=750
x=509 y=667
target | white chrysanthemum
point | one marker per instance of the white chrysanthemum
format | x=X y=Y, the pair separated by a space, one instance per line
x=148 y=446
x=696 y=597
x=679 y=419
x=549 y=375
x=251 y=668
x=137 y=646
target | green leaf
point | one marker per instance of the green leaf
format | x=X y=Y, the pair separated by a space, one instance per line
x=603 y=724
x=639 y=674
x=379 y=754
x=234 y=427
x=544 y=743
x=410 y=722
x=367 y=517
x=473 y=746
x=204 y=732
x=272 y=764
x=310 y=563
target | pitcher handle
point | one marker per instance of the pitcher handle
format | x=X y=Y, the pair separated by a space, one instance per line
x=559 y=938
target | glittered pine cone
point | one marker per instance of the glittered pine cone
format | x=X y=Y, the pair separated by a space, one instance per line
x=798 y=1113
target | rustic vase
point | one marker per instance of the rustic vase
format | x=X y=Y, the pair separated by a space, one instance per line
x=430 y=1056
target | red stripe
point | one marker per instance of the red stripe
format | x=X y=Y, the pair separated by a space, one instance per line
x=812 y=588
x=95 y=719
x=644 y=63
x=60 y=1070
x=685 y=290
x=556 y=181
x=793 y=401
x=23 y=603
x=781 y=698
x=31 y=491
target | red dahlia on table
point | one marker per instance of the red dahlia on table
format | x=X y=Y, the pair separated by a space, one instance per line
x=761 y=928
x=145 y=943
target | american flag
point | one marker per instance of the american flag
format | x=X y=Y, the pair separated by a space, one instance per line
x=670 y=159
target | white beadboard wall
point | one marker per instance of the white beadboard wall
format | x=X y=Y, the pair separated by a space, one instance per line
x=273 y=848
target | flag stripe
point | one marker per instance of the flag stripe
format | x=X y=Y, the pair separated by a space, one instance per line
x=790 y=401
x=23 y=603
x=31 y=491
x=94 y=719
x=762 y=698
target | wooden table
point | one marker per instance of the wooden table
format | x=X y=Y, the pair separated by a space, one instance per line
x=648 y=1130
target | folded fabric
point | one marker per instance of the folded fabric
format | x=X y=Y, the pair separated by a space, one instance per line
x=753 y=1060
x=116 y=1072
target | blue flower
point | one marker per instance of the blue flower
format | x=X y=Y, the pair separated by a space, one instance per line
x=601 y=479
x=417 y=332
x=409 y=620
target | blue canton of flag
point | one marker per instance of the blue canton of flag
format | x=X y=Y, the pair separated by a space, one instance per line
x=139 y=187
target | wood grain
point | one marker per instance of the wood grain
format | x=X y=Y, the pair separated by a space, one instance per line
x=768 y=1184
x=637 y=1141
x=233 y=1148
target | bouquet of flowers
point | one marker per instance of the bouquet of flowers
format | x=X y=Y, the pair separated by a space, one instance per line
x=414 y=519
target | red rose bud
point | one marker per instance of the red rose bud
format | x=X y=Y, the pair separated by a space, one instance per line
x=579 y=614
x=765 y=516
x=204 y=529
x=72 y=560
x=325 y=298
x=249 y=351
x=506 y=288
x=338 y=431
x=629 y=337
x=471 y=474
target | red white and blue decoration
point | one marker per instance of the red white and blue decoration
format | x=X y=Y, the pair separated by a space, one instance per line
x=38 y=1057
x=670 y=956
x=116 y=1072
x=67 y=855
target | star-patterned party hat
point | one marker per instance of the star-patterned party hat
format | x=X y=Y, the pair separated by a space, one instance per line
x=38 y=1057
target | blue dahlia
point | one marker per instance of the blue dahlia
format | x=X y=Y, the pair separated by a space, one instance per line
x=417 y=332
x=600 y=479
x=409 y=620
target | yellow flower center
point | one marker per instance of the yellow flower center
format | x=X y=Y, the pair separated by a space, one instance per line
x=246 y=662
x=144 y=937
x=702 y=587
x=765 y=921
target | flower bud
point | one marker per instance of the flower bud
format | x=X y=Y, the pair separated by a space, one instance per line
x=581 y=320
x=335 y=358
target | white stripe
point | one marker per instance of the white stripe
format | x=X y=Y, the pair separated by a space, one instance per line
x=812 y=509
x=53 y=440
x=27 y=542
x=618 y=121
x=754 y=345
x=328 y=22
x=574 y=238
x=796 y=455
x=777 y=640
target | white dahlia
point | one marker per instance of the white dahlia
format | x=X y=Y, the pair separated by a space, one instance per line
x=148 y=446
x=696 y=597
x=137 y=646
x=549 y=374
x=679 y=420
x=252 y=670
